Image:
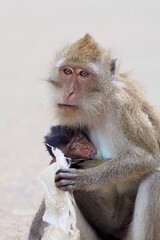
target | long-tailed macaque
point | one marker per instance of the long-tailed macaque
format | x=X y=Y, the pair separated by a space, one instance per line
x=88 y=91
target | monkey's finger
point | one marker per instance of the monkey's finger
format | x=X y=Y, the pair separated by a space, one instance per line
x=64 y=183
x=66 y=170
x=65 y=175
x=67 y=188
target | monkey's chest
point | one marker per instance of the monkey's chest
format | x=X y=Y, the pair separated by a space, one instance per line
x=107 y=211
x=109 y=142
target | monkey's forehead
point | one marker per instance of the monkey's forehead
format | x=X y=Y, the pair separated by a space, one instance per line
x=83 y=51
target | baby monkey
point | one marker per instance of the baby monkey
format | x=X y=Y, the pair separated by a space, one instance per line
x=74 y=143
x=76 y=146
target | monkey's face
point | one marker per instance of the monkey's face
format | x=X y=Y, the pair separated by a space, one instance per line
x=79 y=94
x=78 y=83
x=79 y=147
x=81 y=80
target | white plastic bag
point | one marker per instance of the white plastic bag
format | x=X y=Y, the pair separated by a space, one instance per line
x=60 y=206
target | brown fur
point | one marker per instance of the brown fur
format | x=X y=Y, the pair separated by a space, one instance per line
x=87 y=51
x=125 y=120
x=122 y=125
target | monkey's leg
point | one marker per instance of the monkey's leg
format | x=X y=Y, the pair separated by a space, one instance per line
x=146 y=218
x=86 y=231
x=38 y=225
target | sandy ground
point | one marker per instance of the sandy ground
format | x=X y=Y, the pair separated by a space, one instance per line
x=30 y=32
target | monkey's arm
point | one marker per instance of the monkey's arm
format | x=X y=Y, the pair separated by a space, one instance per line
x=130 y=166
x=38 y=225
x=86 y=164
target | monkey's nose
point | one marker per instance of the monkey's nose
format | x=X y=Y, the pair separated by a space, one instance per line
x=70 y=95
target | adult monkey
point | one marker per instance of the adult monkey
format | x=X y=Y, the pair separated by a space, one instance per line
x=122 y=125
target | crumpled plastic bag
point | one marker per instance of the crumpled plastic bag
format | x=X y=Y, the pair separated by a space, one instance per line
x=60 y=206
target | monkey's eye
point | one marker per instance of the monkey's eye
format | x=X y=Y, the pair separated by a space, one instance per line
x=83 y=73
x=79 y=137
x=73 y=147
x=67 y=71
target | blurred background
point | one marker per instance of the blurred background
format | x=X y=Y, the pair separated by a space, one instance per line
x=30 y=32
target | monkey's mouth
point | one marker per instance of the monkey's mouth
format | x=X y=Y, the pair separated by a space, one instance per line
x=67 y=107
x=93 y=153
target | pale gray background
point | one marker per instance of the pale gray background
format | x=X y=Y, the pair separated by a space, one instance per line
x=30 y=32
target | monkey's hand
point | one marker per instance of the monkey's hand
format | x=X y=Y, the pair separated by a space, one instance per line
x=71 y=179
x=82 y=178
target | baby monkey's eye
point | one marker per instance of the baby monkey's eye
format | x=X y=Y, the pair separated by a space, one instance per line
x=67 y=71
x=73 y=147
x=79 y=137
x=83 y=73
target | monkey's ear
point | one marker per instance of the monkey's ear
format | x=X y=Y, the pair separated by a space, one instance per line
x=113 y=65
